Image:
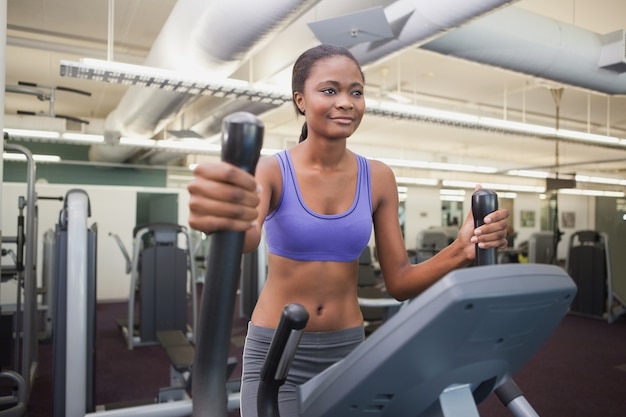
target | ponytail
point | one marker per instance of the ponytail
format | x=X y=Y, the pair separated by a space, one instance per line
x=304 y=134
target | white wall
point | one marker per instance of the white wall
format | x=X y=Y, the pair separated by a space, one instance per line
x=423 y=210
x=584 y=211
x=114 y=211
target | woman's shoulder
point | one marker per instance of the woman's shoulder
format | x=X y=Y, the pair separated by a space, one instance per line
x=380 y=170
x=267 y=165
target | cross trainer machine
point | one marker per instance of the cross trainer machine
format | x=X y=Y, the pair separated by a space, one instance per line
x=441 y=354
x=444 y=353
x=497 y=316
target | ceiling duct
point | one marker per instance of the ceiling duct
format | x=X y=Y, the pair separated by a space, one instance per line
x=203 y=38
x=414 y=22
x=411 y=22
x=518 y=40
x=613 y=53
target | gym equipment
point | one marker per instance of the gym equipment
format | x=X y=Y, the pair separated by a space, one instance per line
x=74 y=319
x=433 y=240
x=541 y=248
x=589 y=266
x=447 y=350
x=280 y=353
x=376 y=305
x=26 y=352
x=161 y=273
x=242 y=140
x=74 y=316
x=485 y=202
x=409 y=366
x=253 y=276
x=17 y=401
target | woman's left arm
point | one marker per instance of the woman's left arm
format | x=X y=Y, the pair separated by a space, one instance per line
x=403 y=279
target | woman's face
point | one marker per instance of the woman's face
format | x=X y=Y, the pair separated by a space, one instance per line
x=333 y=100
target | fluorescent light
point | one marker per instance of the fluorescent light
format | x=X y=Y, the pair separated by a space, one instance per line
x=577 y=177
x=403 y=163
x=529 y=173
x=600 y=180
x=437 y=166
x=143 y=142
x=270 y=151
x=417 y=181
x=169 y=80
x=495 y=186
x=596 y=193
x=188 y=145
x=81 y=137
x=444 y=166
x=587 y=137
x=444 y=191
x=516 y=126
x=507 y=195
x=128 y=74
x=9 y=156
x=26 y=133
x=408 y=111
x=451 y=198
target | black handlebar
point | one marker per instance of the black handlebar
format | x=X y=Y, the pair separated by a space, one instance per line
x=279 y=357
x=242 y=139
x=483 y=203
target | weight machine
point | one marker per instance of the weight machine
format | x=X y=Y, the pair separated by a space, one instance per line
x=161 y=276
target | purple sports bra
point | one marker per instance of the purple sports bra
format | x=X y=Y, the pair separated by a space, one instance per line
x=294 y=231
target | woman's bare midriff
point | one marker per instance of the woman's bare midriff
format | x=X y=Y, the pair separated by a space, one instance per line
x=327 y=290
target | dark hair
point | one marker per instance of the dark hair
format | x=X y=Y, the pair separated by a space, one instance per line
x=302 y=70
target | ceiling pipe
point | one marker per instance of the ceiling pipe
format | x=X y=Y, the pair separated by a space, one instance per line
x=218 y=50
x=201 y=38
x=412 y=22
x=415 y=22
x=524 y=42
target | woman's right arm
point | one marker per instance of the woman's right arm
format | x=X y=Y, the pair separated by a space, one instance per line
x=224 y=197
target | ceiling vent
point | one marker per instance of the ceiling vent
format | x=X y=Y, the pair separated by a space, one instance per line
x=613 y=51
x=352 y=29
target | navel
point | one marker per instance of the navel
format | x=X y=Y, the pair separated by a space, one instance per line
x=320 y=310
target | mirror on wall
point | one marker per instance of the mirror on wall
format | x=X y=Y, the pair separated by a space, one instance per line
x=452 y=213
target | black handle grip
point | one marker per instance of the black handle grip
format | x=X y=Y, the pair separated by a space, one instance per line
x=279 y=357
x=484 y=202
x=242 y=139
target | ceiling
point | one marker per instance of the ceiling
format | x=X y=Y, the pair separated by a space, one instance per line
x=41 y=33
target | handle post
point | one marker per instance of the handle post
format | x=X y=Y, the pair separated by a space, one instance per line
x=242 y=139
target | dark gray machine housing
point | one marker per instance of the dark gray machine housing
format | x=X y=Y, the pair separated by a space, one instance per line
x=477 y=326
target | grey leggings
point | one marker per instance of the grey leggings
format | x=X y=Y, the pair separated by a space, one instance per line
x=316 y=352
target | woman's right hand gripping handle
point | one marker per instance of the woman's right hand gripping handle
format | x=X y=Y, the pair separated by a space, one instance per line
x=222 y=196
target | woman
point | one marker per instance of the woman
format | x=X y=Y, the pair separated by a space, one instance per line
x=318 y=202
